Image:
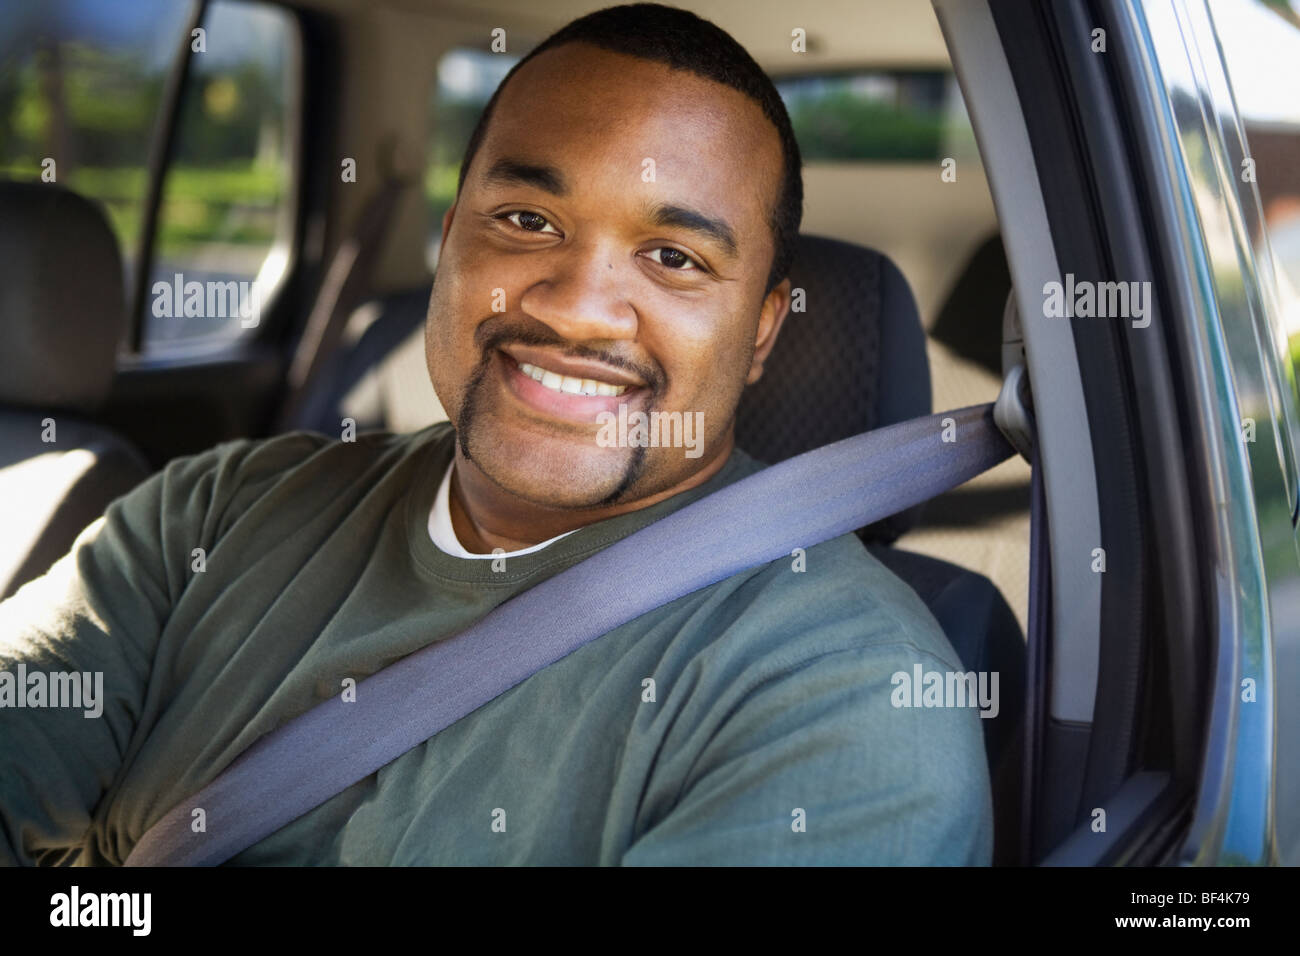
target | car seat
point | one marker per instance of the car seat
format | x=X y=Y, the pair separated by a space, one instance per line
x=62 y=314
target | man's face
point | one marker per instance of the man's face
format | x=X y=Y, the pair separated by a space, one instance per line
x=614 y=227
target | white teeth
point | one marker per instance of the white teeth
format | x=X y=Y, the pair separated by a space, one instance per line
x=569 y=384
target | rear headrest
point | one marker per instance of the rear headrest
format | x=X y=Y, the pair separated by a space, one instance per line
x=62 y=308
x=853 y=360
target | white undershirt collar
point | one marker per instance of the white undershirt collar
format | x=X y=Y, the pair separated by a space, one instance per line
x=444 y=535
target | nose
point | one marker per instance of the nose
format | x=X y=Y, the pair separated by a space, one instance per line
x=582 y=297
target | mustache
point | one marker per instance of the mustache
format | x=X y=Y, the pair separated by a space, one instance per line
x=489 y=336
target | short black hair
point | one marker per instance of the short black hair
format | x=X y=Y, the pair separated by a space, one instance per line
x=683 y=41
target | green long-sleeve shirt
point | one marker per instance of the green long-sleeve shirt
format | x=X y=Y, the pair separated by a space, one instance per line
x=770 y=733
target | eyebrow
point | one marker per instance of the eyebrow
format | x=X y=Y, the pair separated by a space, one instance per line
x=680 y=217
x=512 y=172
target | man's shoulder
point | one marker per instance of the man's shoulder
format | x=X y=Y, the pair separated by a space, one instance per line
x=299 y=469
x=289 y=450
x=257 y=463
x=833 y=596
x=792 y=671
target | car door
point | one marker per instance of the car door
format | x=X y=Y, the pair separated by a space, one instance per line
x=1158 y=718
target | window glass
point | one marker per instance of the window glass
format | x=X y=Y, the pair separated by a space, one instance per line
x=81 y=84
x=1261 y=49
x=1234 y=304
x=878 y=116
x=225 y=221
x=466 y=81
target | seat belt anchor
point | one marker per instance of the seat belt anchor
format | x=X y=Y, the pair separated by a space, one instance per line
x=1013 y=411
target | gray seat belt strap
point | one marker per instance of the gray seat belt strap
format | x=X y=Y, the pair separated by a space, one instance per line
x=797 y=503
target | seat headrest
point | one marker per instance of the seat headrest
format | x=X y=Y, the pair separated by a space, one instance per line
x=62 y=307
x=853 y=360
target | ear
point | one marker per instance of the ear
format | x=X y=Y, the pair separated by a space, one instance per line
x=776 y=304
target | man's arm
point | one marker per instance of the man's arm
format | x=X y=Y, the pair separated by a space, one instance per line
x=94 y=619
x=88 y=624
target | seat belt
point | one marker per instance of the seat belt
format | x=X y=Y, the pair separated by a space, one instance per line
x=803 y=501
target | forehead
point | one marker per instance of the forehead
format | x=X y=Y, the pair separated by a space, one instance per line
x=597 y=116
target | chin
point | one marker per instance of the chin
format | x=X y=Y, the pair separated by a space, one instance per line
x=554 y=472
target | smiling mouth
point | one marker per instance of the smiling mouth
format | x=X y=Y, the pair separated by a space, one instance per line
x=564 y=398
x=569 y=385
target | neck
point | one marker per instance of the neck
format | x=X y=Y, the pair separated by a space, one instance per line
x=485 y=516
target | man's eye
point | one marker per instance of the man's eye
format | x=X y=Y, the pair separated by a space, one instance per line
x=529 y=221
x=674 y=259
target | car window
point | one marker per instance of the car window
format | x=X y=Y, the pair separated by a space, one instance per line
x=1261 y=49
x=466 y=79
x=878 y=116
x=79 y=98
x=1258 y=496
x=225 y=220
x=1216 y=159
x=80 y=105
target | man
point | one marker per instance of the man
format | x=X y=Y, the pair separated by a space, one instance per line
x=625 y=219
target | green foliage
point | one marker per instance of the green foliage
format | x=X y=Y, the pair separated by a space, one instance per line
x=440 y=183
x=227 y=117
x=93 y=109
x=844 y=126
x=80 y=104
